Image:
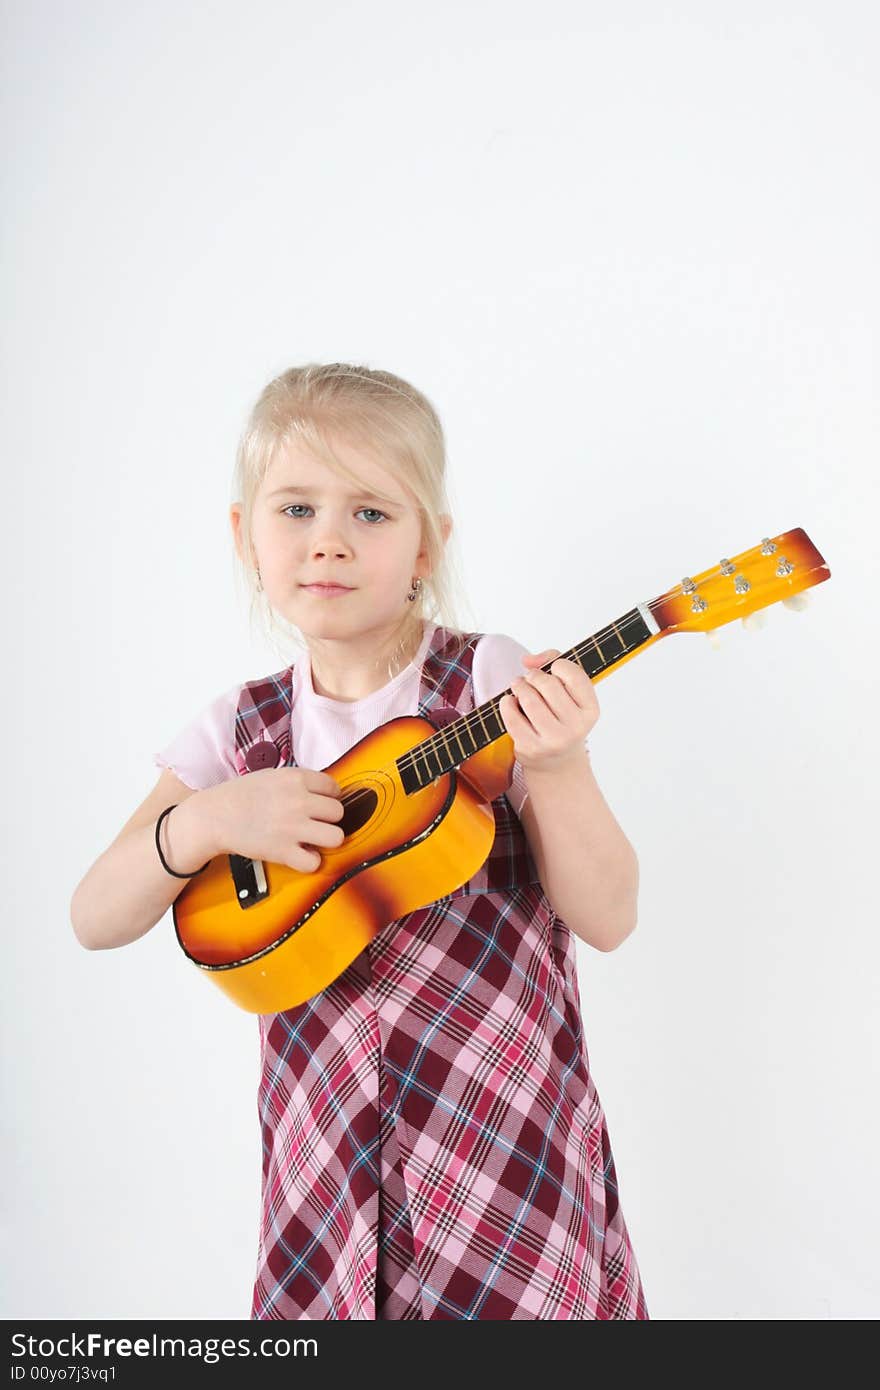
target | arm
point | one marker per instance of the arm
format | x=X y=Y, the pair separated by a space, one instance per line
x=587 y=865
x=278 y=814
x=127 y=891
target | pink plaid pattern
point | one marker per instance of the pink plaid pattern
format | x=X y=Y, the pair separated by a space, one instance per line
x=433 y=1142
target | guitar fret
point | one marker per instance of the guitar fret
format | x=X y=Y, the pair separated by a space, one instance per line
x=446 y=750
x=437 y=759
x=481 y=717
x=465 y=753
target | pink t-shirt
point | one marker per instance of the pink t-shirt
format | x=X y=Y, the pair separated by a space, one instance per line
x=322 y=729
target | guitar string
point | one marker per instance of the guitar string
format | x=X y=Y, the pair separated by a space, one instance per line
x=467 y=721
x=476 y=720
x=440 y=740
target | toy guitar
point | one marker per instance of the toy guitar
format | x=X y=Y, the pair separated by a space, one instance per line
x=417 y=818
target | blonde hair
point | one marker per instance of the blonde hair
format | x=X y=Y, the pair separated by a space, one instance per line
x=388 y=419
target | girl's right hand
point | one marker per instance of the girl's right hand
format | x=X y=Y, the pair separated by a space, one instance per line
x=282 y=815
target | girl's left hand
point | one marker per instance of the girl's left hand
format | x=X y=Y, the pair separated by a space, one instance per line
x=550 y=713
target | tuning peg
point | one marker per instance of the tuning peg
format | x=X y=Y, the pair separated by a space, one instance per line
x=752 y=621
x=714 y=639
x=796 y=602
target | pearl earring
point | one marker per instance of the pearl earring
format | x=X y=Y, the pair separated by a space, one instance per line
x=415 y=590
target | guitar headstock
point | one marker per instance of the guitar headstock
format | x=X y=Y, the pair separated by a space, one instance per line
x=774 y=571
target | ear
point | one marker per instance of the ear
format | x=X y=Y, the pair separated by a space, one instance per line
x=235 y=520
x=445 y=530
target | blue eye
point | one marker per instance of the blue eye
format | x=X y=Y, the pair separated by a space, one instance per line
x=303 y=506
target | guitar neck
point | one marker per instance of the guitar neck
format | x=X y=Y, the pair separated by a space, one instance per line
x=463 y=737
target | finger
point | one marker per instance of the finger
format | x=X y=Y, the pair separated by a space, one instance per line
x=322 y=782
x=307 y=858
x=538 y=709
x=513 y=718
x=321 y=807
x=328 y=836
x=577 y=683
x=552 y=691
x=571 y=672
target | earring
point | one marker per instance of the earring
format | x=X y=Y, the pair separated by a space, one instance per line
x=415 y=590
x=259 y=579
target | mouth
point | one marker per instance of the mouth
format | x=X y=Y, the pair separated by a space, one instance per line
x=326 y=590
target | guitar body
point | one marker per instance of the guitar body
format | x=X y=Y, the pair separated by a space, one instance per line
x=289 y=939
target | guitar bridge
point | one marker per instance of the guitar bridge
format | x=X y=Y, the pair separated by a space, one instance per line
x=249 y=878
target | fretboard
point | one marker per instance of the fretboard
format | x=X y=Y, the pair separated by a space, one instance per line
x=463 y=737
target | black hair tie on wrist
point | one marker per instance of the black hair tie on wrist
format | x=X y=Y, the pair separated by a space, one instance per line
x=162 y=856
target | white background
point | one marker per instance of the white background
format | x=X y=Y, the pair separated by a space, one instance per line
x=631 y=257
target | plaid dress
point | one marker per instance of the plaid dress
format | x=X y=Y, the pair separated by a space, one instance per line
x=433 y=1145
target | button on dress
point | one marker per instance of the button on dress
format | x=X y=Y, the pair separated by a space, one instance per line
x=433 y=1144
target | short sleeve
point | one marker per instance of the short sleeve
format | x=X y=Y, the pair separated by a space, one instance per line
x=201 y=754
x=498 y=660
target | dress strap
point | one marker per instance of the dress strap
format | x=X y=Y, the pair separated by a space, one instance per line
x=262 y=722
x=446 y=675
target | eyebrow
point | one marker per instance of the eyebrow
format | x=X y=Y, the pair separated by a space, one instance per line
x=353 y=496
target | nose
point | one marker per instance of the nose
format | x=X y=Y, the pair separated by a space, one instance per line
x=338 y=552
x=330 y=540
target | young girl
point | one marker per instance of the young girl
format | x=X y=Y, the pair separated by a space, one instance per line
x=433 y=1142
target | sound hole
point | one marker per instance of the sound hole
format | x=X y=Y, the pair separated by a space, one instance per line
x=358 y=806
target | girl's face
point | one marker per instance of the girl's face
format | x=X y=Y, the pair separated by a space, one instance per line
x=312 y=526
